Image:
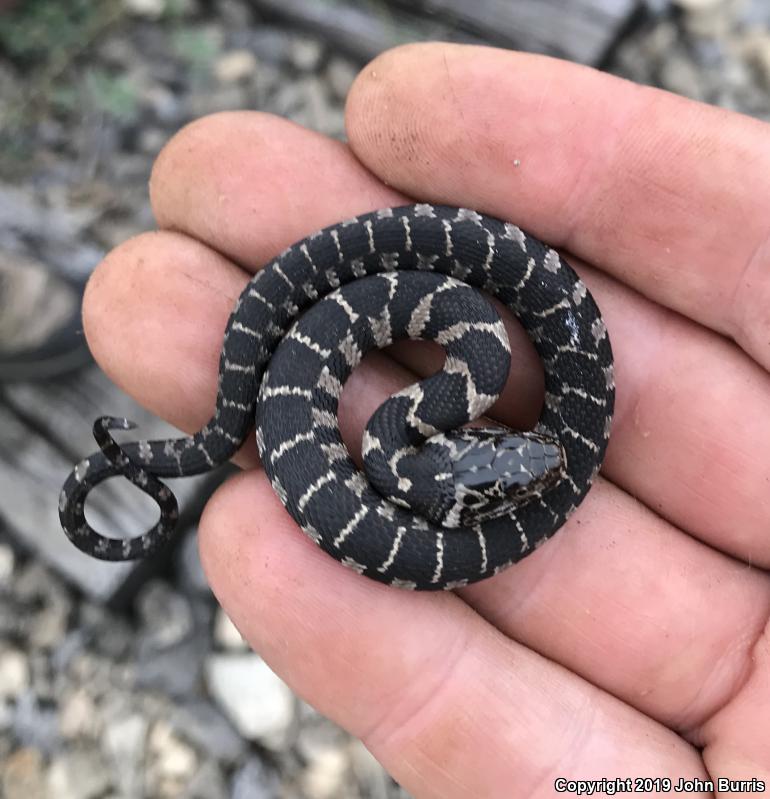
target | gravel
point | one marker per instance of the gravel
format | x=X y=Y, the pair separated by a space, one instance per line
x=162 y=702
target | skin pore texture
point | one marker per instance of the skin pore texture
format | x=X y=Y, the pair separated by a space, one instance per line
x=635 y=643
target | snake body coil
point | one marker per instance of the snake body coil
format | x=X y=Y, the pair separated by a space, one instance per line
x=442 y=506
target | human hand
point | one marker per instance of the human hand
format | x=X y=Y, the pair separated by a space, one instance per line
x=635 y=643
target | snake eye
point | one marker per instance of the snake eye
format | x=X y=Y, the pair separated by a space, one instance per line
x=473 y=500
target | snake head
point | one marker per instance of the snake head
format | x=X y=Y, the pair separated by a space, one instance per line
x=496 y=470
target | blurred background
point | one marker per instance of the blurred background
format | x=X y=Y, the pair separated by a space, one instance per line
x=127 y=681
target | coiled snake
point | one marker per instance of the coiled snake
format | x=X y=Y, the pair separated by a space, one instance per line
x=440 y=508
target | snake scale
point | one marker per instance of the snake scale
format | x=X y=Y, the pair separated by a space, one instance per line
x=440 y=505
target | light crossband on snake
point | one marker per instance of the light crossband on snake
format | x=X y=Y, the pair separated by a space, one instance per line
x=440 y=505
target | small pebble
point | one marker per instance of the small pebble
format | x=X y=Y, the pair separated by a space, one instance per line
x=325 y=775
x=204 y=726
x=7 y=563
x=78 y=716
x=255 y=699
x=208 y=782
x=146 y=8
x=23 y=776
x=226 y=634
x=254 y=780
x=340 y=74
x=124 y=743
x=14 y=673
x=166 y=615
x=171 y=760
x=235 y=66
x=305 y=53
x=78 y=774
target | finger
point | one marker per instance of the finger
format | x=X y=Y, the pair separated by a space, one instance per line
x=736 y=741
x=681 y=442
x=450 y=707
x=665 y=193
x=154 y=314
x=595 y=599
x=627 y=601
x=259 y=183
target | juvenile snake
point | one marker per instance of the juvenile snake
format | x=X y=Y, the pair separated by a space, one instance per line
x=439 y=506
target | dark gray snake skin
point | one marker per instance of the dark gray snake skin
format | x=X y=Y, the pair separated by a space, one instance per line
x=442 y=507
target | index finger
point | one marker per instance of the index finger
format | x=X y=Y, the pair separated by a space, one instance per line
x=663 y=192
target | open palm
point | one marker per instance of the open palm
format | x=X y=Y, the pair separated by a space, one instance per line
x=635 y=643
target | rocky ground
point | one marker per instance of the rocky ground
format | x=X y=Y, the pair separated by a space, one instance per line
x=163 y=699
x=167 y=702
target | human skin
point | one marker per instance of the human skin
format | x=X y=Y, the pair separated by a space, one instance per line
x=635 y=642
